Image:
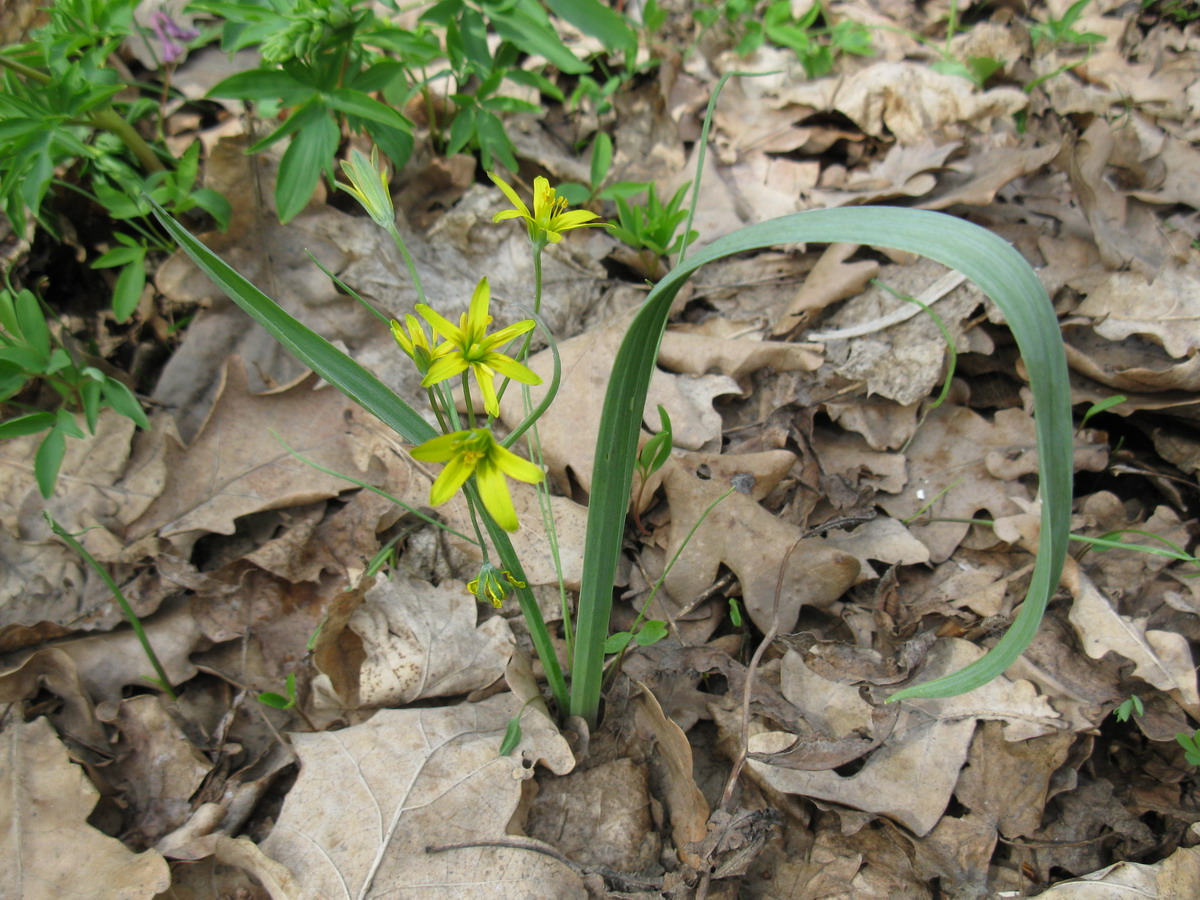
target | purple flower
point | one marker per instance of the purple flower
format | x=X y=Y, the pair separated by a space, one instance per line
x=168 y=35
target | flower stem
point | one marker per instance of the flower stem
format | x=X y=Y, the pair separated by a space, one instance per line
x=408 y=261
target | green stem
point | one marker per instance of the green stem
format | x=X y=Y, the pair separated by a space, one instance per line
x=24 y=71
x=110 y=121
x=408 y=261
x=130 y=615
x=528 y=603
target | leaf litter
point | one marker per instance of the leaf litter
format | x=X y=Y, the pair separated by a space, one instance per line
x=798 y=395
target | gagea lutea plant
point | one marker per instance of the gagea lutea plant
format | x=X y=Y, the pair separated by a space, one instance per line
x=479 y=462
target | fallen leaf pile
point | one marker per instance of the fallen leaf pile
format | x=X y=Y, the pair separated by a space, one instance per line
x=815 y=492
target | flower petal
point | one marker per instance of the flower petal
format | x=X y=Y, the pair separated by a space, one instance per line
x=515 y=466
x=457 y=471
x=493 y=490
x=477 y=313
x=442 y=325
x=521 y=208
x=439 y=449
x=487 y=387
x=504 y=335
x=575 y=218
x=509 y=367
x=445 y=367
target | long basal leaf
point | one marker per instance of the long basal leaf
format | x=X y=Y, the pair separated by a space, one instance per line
x=986 y=259
x=306 y=345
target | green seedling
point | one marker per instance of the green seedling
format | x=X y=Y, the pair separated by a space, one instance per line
x=735 y=612
x=650 y=228
x=279 y=701
x=1191 y=746
x=1062 y=31
x=29 y=353
x=1102 y=406
x=653 y=456
x=1131 y=706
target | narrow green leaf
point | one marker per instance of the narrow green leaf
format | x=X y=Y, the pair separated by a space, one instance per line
x=512 y=735
x=999 y=270
x=310 y=348
x=602 y=154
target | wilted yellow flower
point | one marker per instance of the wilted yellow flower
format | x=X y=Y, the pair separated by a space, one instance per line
x=550 y=217
x=476 y=451
x=369 y=184
x=469 y=346
x=492 y=584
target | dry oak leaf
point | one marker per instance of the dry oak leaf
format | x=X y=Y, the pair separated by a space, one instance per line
x=569 y=428
x=908 y=99
x=1166 y=309
x=235 y=466
x=927 y=747
x=1176 y=876
x=370 y=798
x=49 y=851
x=1161 y=658
x=964 y=464
x=415 y=641
x=745 y=537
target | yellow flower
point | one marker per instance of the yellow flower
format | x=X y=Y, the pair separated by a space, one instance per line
x=549 y=218
x=476 y=452
x=369 y=184
x=417 y=344
x=469 y=346
x=491 y=584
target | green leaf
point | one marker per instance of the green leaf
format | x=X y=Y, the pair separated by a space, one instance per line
x=989 y=261
x=215 y=204
x=263 y=84
x=27 y=424
x=595 y=19
x=310 y=348
x=48 y=459
x=524 y=24
x=356 y=103
x=123 y=401
x=1106 y=404
x=653 y=631
x=89 y=393
x=617 y=642
x=32 y=323
x=602 y=154
x=310 y=152
x=512 y=735
x=127 y=292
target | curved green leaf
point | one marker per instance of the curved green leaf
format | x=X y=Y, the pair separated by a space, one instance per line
x=999 y=270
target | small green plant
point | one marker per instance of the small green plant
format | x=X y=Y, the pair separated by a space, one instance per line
x=29 y=354
x=815 y=45
x=1062 y=31
x=1131 y=706
x=1191 y=746
x=650 y=227
x=280 y=701
x=1182 y=11
x=65 y=126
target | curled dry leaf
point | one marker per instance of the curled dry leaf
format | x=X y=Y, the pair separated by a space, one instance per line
x=1161 y=658
x=928 y=744
x=686 y=806
x=372 y=797
x=409 y=640
x=48 y=850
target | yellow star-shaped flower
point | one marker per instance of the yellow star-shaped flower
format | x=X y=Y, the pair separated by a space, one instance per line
x=476 y=452
x=469 y=346
x=550 y=216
